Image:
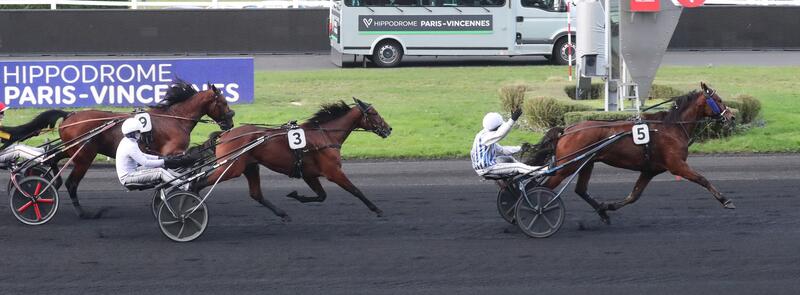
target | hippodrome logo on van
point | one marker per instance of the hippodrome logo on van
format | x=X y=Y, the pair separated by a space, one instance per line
x=82 y=83
x=425 y=24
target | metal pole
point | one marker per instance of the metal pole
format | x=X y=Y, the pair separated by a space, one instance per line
x=215 y=3
x=134 y=4
x=54 y=4
x=569 y=39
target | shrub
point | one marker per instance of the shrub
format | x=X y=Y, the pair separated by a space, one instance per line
x=664 y=92
x=546 y=112
x=512 y=96
x=595 y=91
x=575 y=117
x=749 y=107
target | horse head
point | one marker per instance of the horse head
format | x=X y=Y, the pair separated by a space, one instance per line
x=712 y=106
x=371 y=120
x=216 y=106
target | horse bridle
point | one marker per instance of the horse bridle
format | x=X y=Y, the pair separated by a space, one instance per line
x=228 y=116
x=718 y=113
x=365 y=114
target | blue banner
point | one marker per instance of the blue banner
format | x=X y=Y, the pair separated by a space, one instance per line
x=135 y=82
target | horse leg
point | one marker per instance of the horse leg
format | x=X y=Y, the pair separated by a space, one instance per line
x=81 y=165
x=254 y=183
x=682 y=169
x=339 y=178
x=581 y=188
x=313 y=183
x=638 y=188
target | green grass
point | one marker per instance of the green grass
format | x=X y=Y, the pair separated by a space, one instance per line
x=435 y=112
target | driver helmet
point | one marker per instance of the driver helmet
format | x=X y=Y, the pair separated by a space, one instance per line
x=131 y=128
x=492 y=121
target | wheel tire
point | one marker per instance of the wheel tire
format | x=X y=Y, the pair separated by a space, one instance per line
x=37 y=171
x=560 y=50
x=387 y=54
x=38 y=211
x=538 y=223
x=184 y=228
x=506 y=200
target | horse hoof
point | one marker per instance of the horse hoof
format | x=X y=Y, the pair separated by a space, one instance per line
x=292 y=195
x=379 y=213
x=286 y=219
x=729 y=205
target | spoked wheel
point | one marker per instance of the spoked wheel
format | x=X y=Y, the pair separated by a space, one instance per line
x=155 y=204
x=40 y=171
x=541 y=214
x=188 y=223
x=506 y=200
x=33 y=202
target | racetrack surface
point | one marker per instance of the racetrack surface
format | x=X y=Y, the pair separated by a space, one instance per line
x=441 y=235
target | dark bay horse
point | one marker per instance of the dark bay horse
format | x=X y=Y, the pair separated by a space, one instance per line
x=172 y=119
x=668 y=148
x=325 y=133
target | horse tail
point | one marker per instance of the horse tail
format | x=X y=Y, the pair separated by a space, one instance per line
x=546 y=147
x=46 y=119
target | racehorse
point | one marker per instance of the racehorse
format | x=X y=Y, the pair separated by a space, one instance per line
x=667 y=151
x=325 y=133
x=172 y=119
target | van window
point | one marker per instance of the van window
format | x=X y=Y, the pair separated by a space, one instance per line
x=549 y=5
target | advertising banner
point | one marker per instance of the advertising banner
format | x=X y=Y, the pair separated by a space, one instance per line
x=425 y=24
x=134 y=82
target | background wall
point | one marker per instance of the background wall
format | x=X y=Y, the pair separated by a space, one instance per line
x=36 y=32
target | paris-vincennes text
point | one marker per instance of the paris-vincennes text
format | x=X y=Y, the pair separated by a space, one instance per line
x=86 y=84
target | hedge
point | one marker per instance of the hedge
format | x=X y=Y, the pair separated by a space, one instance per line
x=576 y=117
x=749 y=107
x=512 y=96
x=545 y=112
x=595 y=92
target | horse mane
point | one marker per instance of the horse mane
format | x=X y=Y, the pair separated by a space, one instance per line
x=682 y=103
x=329 y=112
x=178 y=91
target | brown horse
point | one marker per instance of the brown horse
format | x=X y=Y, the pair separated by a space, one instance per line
x=172 y=119
x=671 y=133
x=325 y=133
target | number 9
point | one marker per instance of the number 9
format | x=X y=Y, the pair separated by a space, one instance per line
x=143 y=120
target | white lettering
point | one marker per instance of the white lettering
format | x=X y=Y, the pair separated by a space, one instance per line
x=45 y=94
x=7 y=73
x=85 y=74
x=35 y=72
x=140 y=95
x=64 y=74
x=11 y=93
x=126 y=93
x=149 y=75
x=163 y=70
x=130 y=69
x=69 y=93
x=51 y=71
x=106 y=72
x=232 y=91
x=98 y=97
x=27 y=96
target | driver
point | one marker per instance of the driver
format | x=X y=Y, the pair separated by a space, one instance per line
x=16 y=150
x=137 y=167
x=485 y=150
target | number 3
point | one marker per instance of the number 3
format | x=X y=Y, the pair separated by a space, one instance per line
x=297 y=138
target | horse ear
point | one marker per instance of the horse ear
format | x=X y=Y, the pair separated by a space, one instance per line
x=705 y=87
x=362 y=105
x=213 y=87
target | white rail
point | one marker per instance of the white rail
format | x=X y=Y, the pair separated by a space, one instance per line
x=137 y=4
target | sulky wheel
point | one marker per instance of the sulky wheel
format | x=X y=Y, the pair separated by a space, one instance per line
x=505 y=204
x=40 y=171
x=155 y=204
x=188 y=223
x=541 y=214
x=33 y=202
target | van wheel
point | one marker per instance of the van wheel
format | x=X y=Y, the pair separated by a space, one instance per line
x=387 y=54
x=560 y=52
